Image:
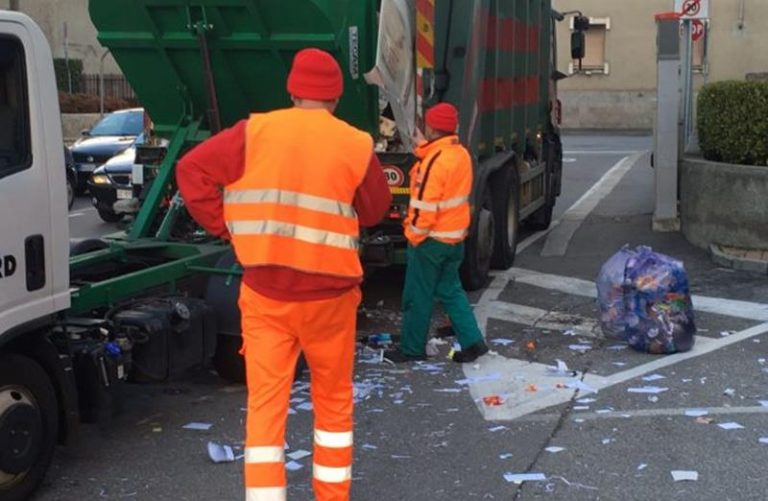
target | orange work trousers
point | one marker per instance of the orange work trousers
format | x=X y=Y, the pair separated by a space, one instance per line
x=273 y=333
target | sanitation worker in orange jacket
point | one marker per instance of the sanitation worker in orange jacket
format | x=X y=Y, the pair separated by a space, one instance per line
x=297 y=183
x=436 y=226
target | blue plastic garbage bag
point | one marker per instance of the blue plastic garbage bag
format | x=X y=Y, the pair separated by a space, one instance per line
x=657 y=311
x=610 y=294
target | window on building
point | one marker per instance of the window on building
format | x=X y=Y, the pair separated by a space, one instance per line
x=15 y=147
x=594 y=61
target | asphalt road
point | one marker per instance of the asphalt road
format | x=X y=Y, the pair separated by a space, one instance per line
x=423 y=431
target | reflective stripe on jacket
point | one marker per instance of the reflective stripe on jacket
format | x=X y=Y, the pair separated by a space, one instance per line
x=441 y=182
x=293 y=205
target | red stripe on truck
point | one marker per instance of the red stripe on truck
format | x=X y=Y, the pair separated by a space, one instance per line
x=498 y=94
x=513 y=35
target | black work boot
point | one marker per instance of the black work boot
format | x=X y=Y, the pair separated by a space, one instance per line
x=399 y=357
x=471 y=353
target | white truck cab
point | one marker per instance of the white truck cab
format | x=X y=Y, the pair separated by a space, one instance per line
x=34 y=268
x=34 y=229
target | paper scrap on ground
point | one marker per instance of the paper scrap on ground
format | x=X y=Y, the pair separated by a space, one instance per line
x=648 y=389
x=730 y=426
x=683 y=475
x=554 y=450
x=696 y=412
x=293 y=466
x=299 y=454
x=586 y=400
x=478 y=379
x=617 y=347
x=653 y=377
x=220 y=453
x=497 y=428
x=369 y=446
x=502 y=341
x=561 y=369
x=642 y=466
x=506 y=455
x=763 y=440
x=581 y=348
x=764 y=403
x=448 y=390
x=306 y=406
x=519 y=478
x=197 y=426
x=730 y=392
x=581 y=385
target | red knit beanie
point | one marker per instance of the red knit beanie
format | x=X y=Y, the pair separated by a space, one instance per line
x=315 y=75
x=443 y=117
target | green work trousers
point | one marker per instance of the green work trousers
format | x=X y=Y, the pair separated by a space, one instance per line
x=433 y=271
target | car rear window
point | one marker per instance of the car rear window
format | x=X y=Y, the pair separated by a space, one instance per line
x=129 y=123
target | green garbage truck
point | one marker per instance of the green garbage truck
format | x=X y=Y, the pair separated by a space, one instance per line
x=78 y=319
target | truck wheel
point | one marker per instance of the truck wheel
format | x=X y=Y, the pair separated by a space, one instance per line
x=110 y=217
x=479 y=245
x=505 y=189
x=542 y=218
x=230 y=364
x=28 y=426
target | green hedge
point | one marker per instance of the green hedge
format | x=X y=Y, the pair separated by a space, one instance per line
x=733 y=122
x=62 y=78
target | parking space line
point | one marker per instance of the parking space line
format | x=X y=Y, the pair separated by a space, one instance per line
x=649 y=413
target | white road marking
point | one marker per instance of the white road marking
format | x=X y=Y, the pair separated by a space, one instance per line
x=528 y=388
x=641 y=413
x=560 y=236
x=585 y=288
x=600 y=152
x=543 y=319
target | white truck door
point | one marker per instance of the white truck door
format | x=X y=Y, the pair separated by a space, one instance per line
x=31 y=191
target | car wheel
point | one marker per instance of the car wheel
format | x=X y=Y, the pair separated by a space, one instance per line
x=110 y=217
x=70 y=192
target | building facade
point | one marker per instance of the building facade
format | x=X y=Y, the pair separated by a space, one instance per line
x=616 y=86
x=69 y=31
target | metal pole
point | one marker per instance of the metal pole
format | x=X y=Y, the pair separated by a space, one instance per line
x=101 y=82
x=66 y=58
x=685 y=84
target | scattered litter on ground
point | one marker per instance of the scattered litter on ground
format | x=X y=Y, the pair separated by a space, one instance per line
x=580 y=407
x=502 y=341
x=648 y=389
x=561 y=369
x=684 y=475
x=157 y=429
x=725 y=333
x=506 y=455
x=530 y=345
x=604 y=411
x=197 y=426
x=493 y=400
x=299 y=454
x=763 y=440
x=653 y=398
x=653 y=377
x=581 y=348
x=220 y=453
x=607 y=441
x=570 y=332
x=764 y=403
x=705 y=420
x=551 y=487
x=617 y=347
x=306 y=406
x=531 y=388
x=519 y=478
x=369 y=447
x=578 y=420
x=619 y=364
x=586 y=400
x=642 y=466
x=398 y=456
x=554 y=450
x=497 y=428
x=448 y=390
x=293 y=466
x=696 y=412
x=730 y=426
x=730 y=392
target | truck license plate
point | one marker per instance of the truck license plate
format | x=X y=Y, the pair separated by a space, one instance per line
x=124 y=194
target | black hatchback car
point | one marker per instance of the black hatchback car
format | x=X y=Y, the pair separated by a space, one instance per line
x=112 y=135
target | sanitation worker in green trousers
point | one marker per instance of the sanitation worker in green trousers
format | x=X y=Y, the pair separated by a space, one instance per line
x=436 y=226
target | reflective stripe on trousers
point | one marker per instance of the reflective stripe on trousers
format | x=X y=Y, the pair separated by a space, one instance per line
x=265 y=494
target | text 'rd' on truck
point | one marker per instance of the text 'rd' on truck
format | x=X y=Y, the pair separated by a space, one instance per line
x=79 y=319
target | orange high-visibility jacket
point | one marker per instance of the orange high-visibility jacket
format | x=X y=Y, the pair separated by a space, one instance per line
x=441 y=182
x=293 y=205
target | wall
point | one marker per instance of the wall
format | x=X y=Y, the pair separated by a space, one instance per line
x=51 y=15
x=626 y=95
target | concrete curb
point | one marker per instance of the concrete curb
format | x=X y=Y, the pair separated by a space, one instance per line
x=722 y=258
